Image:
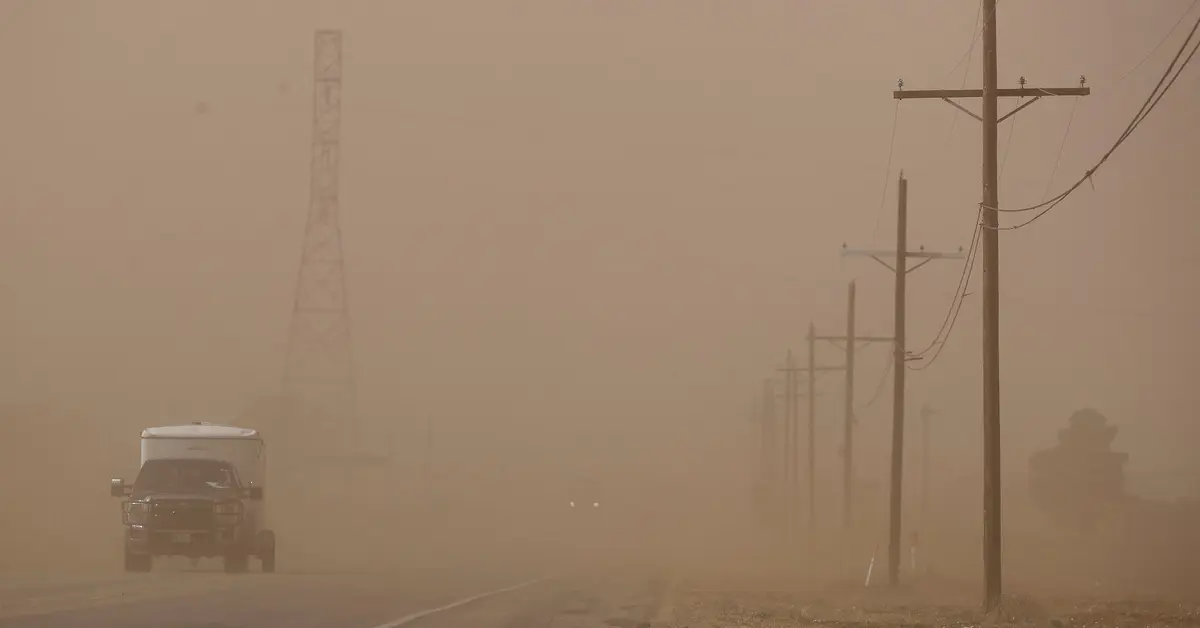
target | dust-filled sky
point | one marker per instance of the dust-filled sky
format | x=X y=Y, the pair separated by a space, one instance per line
x=573 y=223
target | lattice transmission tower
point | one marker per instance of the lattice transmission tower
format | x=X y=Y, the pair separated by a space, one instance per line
x=320 y=371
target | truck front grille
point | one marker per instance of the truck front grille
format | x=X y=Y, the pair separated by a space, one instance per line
x=182 y=515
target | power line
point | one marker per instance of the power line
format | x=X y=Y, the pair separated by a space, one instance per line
x=960 y=292
x=978 y=30
x=1162 y=41
x=1048 y=206
x=954 y=319
x=966 y=58
x=1012 y=127
x=1147 y=107
x=964 y=279
x=1062 y=146
x=887 y=175
x=887 y=370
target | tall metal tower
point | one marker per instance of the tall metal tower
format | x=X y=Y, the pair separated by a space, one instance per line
x=320 y=369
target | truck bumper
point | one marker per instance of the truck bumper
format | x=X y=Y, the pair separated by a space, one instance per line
x=190 y=543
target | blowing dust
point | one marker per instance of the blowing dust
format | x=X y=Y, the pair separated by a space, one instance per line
x=398 y=516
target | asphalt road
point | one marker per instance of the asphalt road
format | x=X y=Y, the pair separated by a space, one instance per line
x=424 y=600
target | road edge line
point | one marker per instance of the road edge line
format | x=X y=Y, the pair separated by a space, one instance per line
x=411 y=617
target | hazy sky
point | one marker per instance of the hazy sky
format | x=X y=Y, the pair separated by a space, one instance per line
x=595 y=219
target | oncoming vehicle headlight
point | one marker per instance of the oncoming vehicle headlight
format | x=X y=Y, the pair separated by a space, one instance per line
x=595 y=504
x=137 y=513
x=572 y=504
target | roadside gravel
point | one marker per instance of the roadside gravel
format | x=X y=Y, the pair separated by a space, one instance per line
x=774 y=605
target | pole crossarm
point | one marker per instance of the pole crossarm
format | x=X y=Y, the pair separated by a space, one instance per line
x=921 y=254
x=858 y=338
x=805 y=369
x=1033 y=93
x=1019 y=92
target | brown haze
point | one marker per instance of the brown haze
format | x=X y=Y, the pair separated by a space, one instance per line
x=579 y=233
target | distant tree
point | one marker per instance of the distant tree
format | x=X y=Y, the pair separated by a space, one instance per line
x=1079 y=478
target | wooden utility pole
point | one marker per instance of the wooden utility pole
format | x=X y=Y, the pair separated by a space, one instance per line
x=991 y=278
x=770 y=452
x=926 y=414
x=791 y=373
x=900 y=270
x=899 y=309
x=847 y=436
x=851 y=346
x=812 y=427
x=848 y=416
x=770 y=433
x=789 y=448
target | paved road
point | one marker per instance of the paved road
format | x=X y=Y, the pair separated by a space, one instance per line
x=424 y=600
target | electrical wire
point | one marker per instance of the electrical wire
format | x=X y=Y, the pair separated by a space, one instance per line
x=956 y=307
x=1012 y=127
x=887 y=370
x=1147 y=106
x=978 y=30
x=948 y=323
x=960 y=292
x=1151 y=103
x=1062 y=146
x=1050 y=205
x=942 y=345
x=887 y=176
x=1159 y=45
x=964 y=279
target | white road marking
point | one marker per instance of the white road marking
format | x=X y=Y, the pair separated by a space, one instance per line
x=467 y=600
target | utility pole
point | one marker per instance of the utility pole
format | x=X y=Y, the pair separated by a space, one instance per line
x=789 y=448
x=926 y=414
x=852 y=344
x=991 y=279
x=427 y=470
x=899 y=303
x=848 y=417
x=791 y=372
x=812 y=427
x=770 y=440
x=900 y=270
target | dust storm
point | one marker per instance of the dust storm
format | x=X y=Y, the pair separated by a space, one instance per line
x=573 y=244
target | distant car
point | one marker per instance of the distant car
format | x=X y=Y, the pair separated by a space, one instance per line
x=584 y=495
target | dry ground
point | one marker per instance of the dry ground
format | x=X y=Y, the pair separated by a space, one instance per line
x=796 y=603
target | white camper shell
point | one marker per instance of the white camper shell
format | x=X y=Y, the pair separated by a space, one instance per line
x=241 y=447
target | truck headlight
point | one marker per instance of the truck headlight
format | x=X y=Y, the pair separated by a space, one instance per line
x=228 y=508
x=137 y=513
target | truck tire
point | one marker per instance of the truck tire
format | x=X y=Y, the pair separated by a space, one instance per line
x=236 y=562
x=138 y=563
x=266 y=550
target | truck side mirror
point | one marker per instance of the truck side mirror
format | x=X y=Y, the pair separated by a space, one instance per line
x=254 y=493
x=117 y=488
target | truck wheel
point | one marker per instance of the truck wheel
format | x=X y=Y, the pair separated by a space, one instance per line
x=236 y=562
x=266 y=550
x=138 y=563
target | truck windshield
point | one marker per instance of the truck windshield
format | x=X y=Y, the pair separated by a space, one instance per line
x=184 y=476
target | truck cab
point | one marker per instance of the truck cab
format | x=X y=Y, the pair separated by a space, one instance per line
x=197 y=494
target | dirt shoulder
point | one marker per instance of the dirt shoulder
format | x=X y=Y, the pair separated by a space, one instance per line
x=776 y=604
